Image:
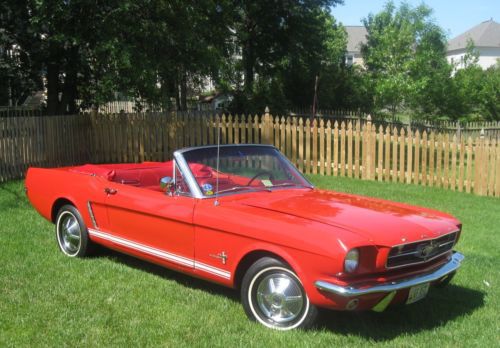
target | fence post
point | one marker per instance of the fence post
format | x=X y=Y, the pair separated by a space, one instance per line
x=94 y=111
x=266 y=127
x=497 y=184
x=478 y=164
x=367 y=143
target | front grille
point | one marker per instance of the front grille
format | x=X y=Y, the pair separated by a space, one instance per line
x=420 y=252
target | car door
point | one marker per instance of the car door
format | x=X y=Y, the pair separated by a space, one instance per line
x=153 y=224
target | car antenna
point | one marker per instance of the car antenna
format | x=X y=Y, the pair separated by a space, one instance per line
x=216 y=202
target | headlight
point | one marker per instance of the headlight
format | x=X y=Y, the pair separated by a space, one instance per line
x=351 y=261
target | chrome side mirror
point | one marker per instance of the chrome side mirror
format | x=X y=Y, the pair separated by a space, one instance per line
x=167 y=184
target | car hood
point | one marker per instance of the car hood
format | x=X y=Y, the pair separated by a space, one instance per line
x=378 y=221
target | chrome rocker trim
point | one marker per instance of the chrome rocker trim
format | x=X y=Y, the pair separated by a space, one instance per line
x=451 y=266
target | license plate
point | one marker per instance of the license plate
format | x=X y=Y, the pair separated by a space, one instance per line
x=417 y=293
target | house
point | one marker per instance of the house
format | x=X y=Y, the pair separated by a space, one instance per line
x=356 y=37
x=217 y=101
x=35 y=100
x=486 y=39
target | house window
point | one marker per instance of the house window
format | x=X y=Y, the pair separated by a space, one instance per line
x=349 y=59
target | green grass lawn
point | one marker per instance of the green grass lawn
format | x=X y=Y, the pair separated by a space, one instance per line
x=47 y=299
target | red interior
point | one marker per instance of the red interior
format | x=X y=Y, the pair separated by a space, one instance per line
x=148 y=174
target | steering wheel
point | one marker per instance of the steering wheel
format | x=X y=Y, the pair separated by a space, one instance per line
x=264 y=172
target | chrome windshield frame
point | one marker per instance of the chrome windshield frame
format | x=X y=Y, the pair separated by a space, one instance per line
x=188 y=175
x=191 y=180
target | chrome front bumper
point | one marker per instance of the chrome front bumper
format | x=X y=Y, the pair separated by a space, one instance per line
x=451 y=266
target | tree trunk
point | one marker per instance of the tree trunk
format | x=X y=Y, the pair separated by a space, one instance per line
x=177 y=95
x=248 y=65
x=164 y=92
x=183 y=91
x=393 y=111
x=68 y=103
x=52 y=88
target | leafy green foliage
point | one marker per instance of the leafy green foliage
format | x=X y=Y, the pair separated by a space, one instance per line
x=476 y=92
x=405 y=58
x=265 y=53
x=164 y=50
x=284 y=46
x=490 y=93
x=19 y=68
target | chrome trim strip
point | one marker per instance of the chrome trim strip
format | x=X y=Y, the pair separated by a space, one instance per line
x=186 y=149
x=346 y=291
x=404 y=254
x=91 y=212
x=428 y=239
x=188 y=175
x=423 y=261
x=162 y=254
x=415 y=252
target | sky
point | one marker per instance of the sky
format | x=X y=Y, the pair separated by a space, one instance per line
x=454 y=16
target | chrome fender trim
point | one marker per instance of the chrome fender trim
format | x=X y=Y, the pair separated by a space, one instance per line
x=451 y=266
x=91 y=213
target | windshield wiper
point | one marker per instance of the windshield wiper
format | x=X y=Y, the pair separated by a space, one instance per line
x=286 y=184
x=259 y=188
x=235 y=188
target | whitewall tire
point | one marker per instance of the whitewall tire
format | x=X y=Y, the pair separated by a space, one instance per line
x=71 y=232
x=272 y=294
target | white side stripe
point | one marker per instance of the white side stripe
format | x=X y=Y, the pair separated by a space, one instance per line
x=148 y=250
x=162 y=254
x=213 y=270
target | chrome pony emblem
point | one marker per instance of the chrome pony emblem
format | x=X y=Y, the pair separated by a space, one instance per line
x=221 y=256
x=424 y=251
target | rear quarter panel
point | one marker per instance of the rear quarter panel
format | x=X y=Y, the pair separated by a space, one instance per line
x=45 y=186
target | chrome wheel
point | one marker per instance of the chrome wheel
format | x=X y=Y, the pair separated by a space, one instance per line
x=273 y=295
x=280 y=298
x=69 y=233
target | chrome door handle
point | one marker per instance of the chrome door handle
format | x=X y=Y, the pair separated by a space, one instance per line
x=110 y=191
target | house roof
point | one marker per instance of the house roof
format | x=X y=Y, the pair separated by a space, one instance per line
x=35 y=100
x=211 y=97
x=485 y=34
x=356 y=35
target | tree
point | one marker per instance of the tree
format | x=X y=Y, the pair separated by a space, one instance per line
x=283 y=46
x=490 y=93
x=476 y=91
x=87 y=53
x=405 y=57
x=430 y=73
x=77 y=55
x=20 y=73
x=317 y=50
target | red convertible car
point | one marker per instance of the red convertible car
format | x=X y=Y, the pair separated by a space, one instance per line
x=244 y=217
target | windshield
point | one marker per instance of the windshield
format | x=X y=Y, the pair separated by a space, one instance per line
x=242 y=168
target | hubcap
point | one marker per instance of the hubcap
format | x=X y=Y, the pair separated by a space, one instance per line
x=69 y=234
x=280 y=298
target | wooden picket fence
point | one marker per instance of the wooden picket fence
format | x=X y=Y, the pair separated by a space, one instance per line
x=350 y=149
